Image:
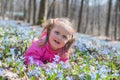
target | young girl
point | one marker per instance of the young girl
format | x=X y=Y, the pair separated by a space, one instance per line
x=56 y=39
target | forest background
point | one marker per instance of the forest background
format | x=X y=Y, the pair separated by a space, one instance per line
x=93 y=17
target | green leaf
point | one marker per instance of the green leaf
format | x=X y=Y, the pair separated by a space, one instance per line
x=32 y=78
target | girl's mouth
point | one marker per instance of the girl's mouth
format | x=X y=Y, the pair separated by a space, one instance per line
x=57 y=42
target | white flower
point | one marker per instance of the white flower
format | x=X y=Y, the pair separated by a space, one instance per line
x=59 y=75
x=64 y=65
x=1 y=70
x=56 y=58
x=103 y=75
x=31 y=60
x=69 y=78
x=93 y=75
x=12 y=50
x=52 y=65
x=34 y=72
x=81 y=76
x=48 y=71
x=116 y=74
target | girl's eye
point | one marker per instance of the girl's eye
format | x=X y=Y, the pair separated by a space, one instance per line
x=56 y=32
x=64 y=37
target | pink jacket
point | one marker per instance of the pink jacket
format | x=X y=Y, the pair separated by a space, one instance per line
x=41 y=55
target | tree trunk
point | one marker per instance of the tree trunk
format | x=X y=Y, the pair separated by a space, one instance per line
x=53 y=9
x=99 y=27
x=0 y=7
x=108 y=18
x=92 y=17
x=119 y=18
x=34 y=11
x=24 y=10
x=87 y=16
x=72 y=9
x=42 y=11
x=4 y=6
x=67 y=8
x=80 y=15
x=116 y=20
x=29 y=11
x=58 y=9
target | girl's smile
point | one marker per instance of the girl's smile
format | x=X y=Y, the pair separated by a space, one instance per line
x=57 y=41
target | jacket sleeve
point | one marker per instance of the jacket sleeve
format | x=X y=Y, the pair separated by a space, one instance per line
x=32 y=56
x=43 y=35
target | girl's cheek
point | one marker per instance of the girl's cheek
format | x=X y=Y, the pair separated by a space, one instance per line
x=65 y=41
x=54 y=35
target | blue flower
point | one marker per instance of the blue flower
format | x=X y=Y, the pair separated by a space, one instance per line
x=56 y=58
x=69 y=78
x=48 y=71
x=105 y=51
x=1 y=70
x=31 y=60
x=59 y=75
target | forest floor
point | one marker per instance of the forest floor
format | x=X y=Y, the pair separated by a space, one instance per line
x=80 y=38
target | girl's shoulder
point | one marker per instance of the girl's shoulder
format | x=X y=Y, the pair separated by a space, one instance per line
x=42 y=39
x=43 y=34
x=37 y=43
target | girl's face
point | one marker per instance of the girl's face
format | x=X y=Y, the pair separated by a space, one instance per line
x=58 y=37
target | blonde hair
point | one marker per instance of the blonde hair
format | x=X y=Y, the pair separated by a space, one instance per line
x=48 y=26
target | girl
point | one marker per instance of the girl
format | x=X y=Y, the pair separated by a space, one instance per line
x=56 y=39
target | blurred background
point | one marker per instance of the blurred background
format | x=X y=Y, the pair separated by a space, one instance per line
x=93 y=17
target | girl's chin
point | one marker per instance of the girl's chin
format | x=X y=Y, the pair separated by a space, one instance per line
x=54 y=47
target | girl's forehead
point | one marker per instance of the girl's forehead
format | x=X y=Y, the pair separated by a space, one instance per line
x=63 y=28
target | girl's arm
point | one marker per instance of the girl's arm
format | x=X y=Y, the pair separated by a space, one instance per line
x=32 y=56
x=42 y=39
x=43 y=35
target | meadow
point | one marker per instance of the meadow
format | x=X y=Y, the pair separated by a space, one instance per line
x=93 y=59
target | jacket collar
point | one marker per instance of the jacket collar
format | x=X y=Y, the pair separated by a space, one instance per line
x=51 y=50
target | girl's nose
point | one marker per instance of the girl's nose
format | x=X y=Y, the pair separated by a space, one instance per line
x=59 y=38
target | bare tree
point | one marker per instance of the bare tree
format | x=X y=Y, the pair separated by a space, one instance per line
x=99 y=26
x=87 y=17
x=92 y=16
x=108 y=18
x=0 y=7
x=72 y=9
x=3 y=8
x=29 y=11
x=80 y=15
x=58 y=9
x=66 y=8
x=116 y=19
x=42 y=11
x=34 y=11
x=51 y=9
x=25 y=10
x=119 y=18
